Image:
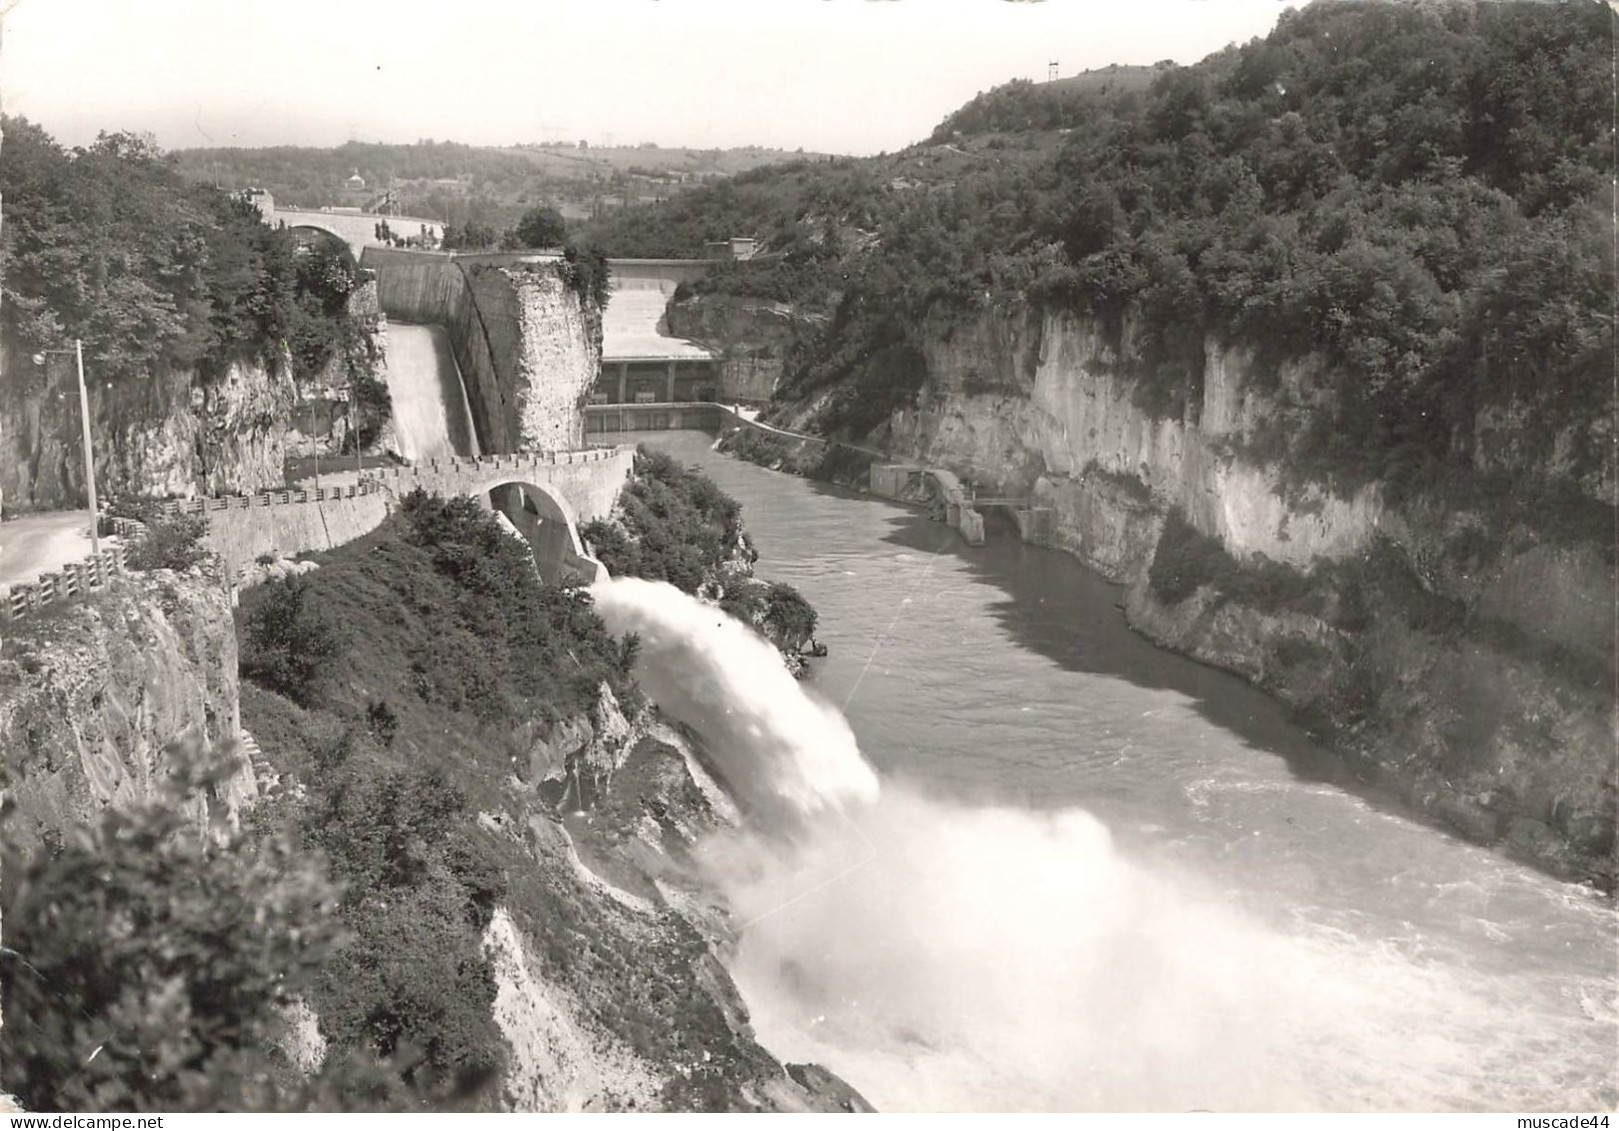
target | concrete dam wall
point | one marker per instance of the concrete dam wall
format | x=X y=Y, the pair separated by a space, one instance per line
x=527 y=347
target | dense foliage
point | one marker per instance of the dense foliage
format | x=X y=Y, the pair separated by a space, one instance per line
x=466 y=651
x=288 y=643
x=147 y=961
x=110 y=244
x=1411 y=199
x=170 y=542
x=542 y=226
x=673 y=525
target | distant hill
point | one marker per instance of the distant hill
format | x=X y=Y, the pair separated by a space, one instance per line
x=461 y=183
x=1022 y=105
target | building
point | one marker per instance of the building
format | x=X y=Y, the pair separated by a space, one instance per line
x=737 y=247
x=355 y=183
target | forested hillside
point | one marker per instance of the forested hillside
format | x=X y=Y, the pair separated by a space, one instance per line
x=459 y=183
x=1419 y=192
x=109 y=243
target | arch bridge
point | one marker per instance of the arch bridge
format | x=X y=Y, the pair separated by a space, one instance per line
x=544 y=495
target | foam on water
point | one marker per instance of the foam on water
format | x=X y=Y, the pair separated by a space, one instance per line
x=946 y=956
x=782 y=753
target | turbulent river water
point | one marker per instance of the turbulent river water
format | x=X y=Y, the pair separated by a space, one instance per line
x=1101 y=876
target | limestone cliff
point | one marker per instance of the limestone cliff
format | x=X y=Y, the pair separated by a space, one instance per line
x=1460 y=649
x=751 y=338
x=170 y=433
x=92 y=694
x=546 y=343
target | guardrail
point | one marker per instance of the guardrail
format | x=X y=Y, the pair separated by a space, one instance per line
x=75 y=579
x=93 y=572
x=264 y=499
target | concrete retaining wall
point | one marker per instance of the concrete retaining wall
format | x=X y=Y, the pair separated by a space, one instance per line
x=240 y=535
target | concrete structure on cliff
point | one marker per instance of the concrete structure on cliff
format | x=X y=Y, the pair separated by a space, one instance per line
x=641 y=362
x=545 y=495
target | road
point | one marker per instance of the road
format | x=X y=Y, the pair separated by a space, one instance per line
x=39 y=543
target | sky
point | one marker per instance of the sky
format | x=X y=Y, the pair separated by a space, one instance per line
x=834 y=76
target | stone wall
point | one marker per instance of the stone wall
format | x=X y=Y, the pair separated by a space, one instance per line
x=240 y=535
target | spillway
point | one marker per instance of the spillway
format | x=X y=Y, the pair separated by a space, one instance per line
x=431 y=415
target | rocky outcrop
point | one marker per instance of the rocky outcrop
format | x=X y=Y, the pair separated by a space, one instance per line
x=93 y=695
x=171 y=433
x=749 y=336
x=545 y=344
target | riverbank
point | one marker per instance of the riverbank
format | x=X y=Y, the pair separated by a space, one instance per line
x=1265 y=625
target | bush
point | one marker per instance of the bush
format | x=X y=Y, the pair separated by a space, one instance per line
x=173 y=542
x=290 y=646
x=1185 y=560
x=788 y=616
x=673 y=524
x=542 y=226
x=144 y=964
x=584 y=269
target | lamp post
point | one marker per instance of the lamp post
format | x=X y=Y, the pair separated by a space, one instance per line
x=84 y=424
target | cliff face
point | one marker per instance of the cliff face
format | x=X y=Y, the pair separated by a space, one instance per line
x=1461 y=657
x=750 y=336
x=92 y=694
x=170 y=434
x=547 y=343
x=166 y=435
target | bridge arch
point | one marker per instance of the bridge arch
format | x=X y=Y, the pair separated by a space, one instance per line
x=546 y=520
x=310 y=225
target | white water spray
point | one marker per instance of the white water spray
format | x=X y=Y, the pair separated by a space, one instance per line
x=784 y=755
x=948 y=957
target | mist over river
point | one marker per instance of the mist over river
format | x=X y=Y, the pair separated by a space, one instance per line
x=1100 y=876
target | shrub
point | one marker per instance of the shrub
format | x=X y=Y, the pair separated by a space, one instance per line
x=291 y=646
x=419 y=896
x=144 y=964
x=173 y=542
x=1184 y=560
x=788 y=616
x=673 y=525
x=381 y=721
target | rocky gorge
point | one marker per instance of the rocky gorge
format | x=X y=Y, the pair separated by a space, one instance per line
x=1454 y=647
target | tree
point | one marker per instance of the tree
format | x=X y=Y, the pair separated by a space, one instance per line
x=290 y=645
x=146 y=960
x=542 y=226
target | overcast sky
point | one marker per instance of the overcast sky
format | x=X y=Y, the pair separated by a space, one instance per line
x=844 y=76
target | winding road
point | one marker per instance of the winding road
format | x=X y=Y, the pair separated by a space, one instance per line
x=39 y=543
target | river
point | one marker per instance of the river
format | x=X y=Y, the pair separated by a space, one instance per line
x=1108 y=877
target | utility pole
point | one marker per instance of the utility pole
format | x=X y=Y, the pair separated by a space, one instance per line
x=89 y=459
x=77 y=351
